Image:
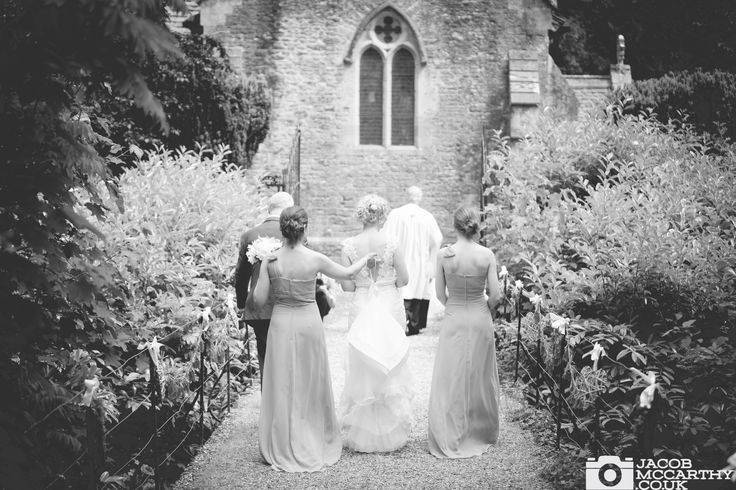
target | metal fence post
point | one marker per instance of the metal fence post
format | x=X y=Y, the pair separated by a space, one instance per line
x=518 y=337
x=95 y=444
x=202 y=373
x=595 y=445
x=539 y=368
x=650 y=428
x=155 y=388
x=560 y=390
x=247 y=348
x=227 y=375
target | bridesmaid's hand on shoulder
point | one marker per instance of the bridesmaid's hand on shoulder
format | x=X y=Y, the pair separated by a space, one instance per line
x=337 y=271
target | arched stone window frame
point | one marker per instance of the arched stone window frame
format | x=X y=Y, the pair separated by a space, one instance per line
x=365 y=38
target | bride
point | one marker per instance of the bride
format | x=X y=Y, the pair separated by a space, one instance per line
x=376 y=404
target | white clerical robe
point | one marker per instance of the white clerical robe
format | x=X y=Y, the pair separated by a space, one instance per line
x=416 y=232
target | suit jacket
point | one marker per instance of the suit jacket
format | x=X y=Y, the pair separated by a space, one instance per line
x=246 y=274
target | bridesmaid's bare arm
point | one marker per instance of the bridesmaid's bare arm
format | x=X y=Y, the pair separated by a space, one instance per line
x=402 y=275
x=493 y=288
x=439 y=283
x=263 y=286
x=347 y=284
x=337 y=271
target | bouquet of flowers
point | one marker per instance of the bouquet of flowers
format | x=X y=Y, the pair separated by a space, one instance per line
x=261 y=248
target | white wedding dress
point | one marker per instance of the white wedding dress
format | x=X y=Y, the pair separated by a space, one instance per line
x=376 y=402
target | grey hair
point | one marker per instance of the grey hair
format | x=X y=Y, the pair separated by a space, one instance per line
x=415 y=193
x=280 y=200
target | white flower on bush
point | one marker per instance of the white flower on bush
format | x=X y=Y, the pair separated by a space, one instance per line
x=205 y=315
x=154 y=349
x=504 y=272
x=559 y=323
x=647 y=395
x=230 y=301
x=232 y=308
x=536 y=300
x=90 y=388
x=261 y=248
x=518 y=287
x=731 y=466
x=595 y=354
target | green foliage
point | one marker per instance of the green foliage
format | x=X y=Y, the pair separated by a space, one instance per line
x=205 y=102
x=661 y=35
x=627 y=226
x=60 y=294
x=171 y=252
x=175 y=247
x=707 y=100
x=176 y=244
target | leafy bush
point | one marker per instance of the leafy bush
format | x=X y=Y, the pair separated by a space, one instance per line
x=75 y=322
x=705 y=99
x=169 y=256
x=205 y=102
x=59 y=294
x=661 y=35
x=628 y=228
x=175 y=247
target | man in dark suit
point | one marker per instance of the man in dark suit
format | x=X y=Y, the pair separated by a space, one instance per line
x=246 y=274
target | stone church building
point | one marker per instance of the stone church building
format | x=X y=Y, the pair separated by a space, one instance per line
x=390 y=94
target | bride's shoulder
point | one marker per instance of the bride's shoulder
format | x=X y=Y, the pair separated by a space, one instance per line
x=348 y=246
x=391 y=243
x=447 y=252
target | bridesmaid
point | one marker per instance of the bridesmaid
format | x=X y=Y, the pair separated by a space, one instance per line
x=298 y=427
x=463 y=402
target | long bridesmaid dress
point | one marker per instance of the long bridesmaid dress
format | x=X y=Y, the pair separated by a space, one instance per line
x=464 y=399
x=298 y=427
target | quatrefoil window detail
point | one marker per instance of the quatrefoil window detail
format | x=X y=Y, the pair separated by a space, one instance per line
x=388 y=29
x=387 y=79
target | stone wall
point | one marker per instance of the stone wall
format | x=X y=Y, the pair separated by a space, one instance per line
x=589 y=90
x=463 y=88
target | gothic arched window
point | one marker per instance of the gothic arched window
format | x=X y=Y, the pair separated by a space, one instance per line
x=402 y=98
x=371 y=97
x=387 y=80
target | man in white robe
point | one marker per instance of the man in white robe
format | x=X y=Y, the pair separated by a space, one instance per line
x=418 y=237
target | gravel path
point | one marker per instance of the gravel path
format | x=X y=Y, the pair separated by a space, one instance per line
x=231 y=459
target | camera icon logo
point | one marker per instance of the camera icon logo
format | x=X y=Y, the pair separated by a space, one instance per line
x=609 y=473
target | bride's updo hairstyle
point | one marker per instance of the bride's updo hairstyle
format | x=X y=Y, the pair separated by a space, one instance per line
x=293 y=222
x=466 y=221
x=372 y=210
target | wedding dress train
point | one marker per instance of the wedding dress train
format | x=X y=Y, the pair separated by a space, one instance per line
x=376 y=401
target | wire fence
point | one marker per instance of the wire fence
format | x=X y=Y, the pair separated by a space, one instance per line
x=550 y=387
x=95 y=452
